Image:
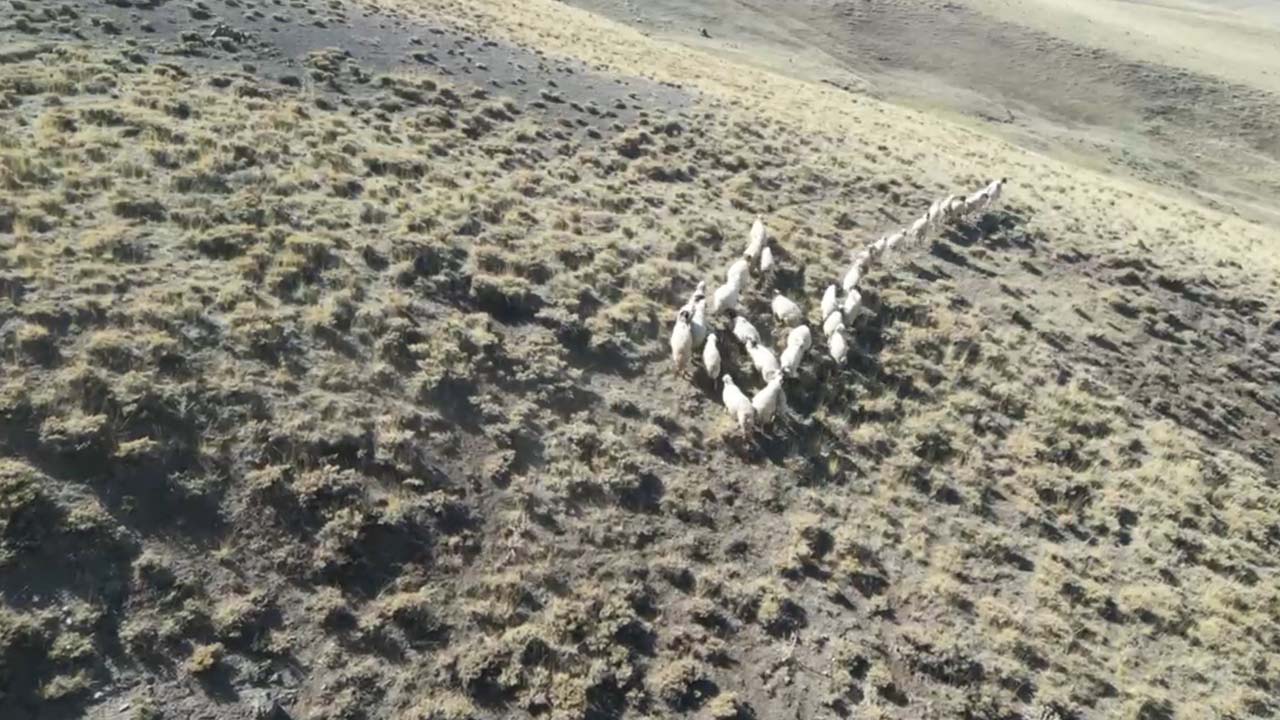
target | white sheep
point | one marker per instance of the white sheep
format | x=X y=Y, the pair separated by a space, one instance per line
x=698 y=322
x=681 y=342
x=724 y=299
x=756 y=242
x=829 y=301
x=800 y=336
x=711 y=356
x=838 y=346
x=892 y=241
x=852 y=277
x=955 y=207
x=852 y=303
x=975 y=201
x=766 y=260
x=738 y=273
x=766 y=402
x=745 y=331
x=790 y=359
x=764 y=359
x=833 y=323
x=738 y=405
x=993 y=191
x=919 y=229
x=935 y=208
x=786 y=310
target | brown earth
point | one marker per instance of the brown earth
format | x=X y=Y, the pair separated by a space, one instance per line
x=336 y=386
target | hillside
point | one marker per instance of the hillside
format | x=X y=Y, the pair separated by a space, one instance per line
x=336 y=384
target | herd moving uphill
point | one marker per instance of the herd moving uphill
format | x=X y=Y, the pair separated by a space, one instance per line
x=697 y=318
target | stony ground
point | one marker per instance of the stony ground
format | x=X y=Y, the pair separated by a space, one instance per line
x=335 y=386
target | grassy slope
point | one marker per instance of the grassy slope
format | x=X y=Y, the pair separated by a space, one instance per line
x=367 y=413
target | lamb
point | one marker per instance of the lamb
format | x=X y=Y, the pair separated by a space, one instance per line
x=745 y=331
x=681 y=342
x=764 y=359
x=800 y=336
x=711 y=356
x=833 y=323
x=786 y=310
x=756 y=242
x=766 y=260
x=739 y=407
x=766 y=402
x=829 y=301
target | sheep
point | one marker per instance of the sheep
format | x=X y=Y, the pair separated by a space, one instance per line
x=745 y=331
x=877 y=248
x=993 y=191
x=800 y=336
x=852 y=277
x=935 y=209
x=711 y=356
x=790 y=359
x=862 y=257
x=738 y=273
x=829 y=301
x=955 y=207
x=764 y=359
x=838 y=346
x=919 y=229
x=766 y=260
x=681 y=342
x=765 y=403
x=698 y=323
x=892 y=241
x=786 y=310
x=756 y=242
x=852 y=303
x=975 y=201
x=738 y=405
x=833 y=323
x=724 y=299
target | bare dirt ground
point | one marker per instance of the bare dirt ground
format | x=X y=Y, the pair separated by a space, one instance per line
x=335 y=385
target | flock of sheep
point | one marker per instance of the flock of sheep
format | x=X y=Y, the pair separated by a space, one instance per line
x=694 y=320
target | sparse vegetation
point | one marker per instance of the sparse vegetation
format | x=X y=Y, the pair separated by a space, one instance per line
x=345 y=395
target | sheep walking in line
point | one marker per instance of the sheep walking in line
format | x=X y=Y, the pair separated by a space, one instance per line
x=801 y=336
x=763 y=359
x=738 y=404
x=834 y=321
x=790 y=359
x=766 y=260
x=765 y=403
x=745 y=331
x=755 y=242
x=786 y=311
x=738 y=273
x=838 y=346
x=681 y=342
x=993 y=192
x=724 y=299
x=698 y=323
x=829 y=301
x=711 y=357
x=919 y=230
